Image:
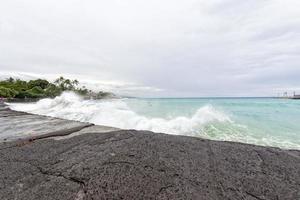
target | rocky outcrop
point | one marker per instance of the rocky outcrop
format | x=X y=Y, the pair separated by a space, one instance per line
x=99 y=163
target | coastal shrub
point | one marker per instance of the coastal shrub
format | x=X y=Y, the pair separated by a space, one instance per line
x=82 y=91
x=22 y=95
x=7 y=92
x=66 y=84
x=17 y=85
x=101 y=95
x=20 y=85
x=35 y=92
x=52 y=90
x=38 y=83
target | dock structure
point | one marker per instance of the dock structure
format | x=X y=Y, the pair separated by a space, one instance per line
x=286 y=96
x=49 y=158
x=295 y=97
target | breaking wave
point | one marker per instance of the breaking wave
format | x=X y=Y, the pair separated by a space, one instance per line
x=116 y=113
x=206 y=122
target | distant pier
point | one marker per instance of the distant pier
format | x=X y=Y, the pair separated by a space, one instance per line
x=286 y=96
x=295 y=97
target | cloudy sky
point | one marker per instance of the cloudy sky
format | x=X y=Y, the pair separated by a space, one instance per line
x=157 y=47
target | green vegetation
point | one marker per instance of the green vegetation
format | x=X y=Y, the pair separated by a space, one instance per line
x=40 y=88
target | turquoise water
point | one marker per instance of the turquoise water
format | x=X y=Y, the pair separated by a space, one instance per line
x=261 y=121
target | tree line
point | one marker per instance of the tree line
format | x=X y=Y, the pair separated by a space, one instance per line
x=41 y=88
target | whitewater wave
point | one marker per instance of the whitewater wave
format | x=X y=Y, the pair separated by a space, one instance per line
x=116 y=113
x=206 y=122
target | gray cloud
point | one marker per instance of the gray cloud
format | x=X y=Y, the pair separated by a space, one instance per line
x=164 y=48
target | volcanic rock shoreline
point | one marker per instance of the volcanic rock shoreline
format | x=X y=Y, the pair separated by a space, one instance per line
x=50 y=158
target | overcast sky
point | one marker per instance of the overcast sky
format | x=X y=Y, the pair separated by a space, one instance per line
x=156 y=47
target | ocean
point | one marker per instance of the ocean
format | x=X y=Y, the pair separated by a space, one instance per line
x=261 y=121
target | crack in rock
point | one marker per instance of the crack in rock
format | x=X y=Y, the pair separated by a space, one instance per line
x=254 y=196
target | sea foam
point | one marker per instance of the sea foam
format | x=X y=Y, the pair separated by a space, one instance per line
x=206 y=122
x=117 y=113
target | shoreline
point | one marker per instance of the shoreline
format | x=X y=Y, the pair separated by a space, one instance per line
x=64 y=159
x=216 y=120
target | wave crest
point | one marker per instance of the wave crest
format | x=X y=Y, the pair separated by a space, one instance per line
x=117 y=113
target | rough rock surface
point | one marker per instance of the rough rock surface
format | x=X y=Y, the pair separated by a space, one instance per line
x=144 y=165
x=128 y=164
